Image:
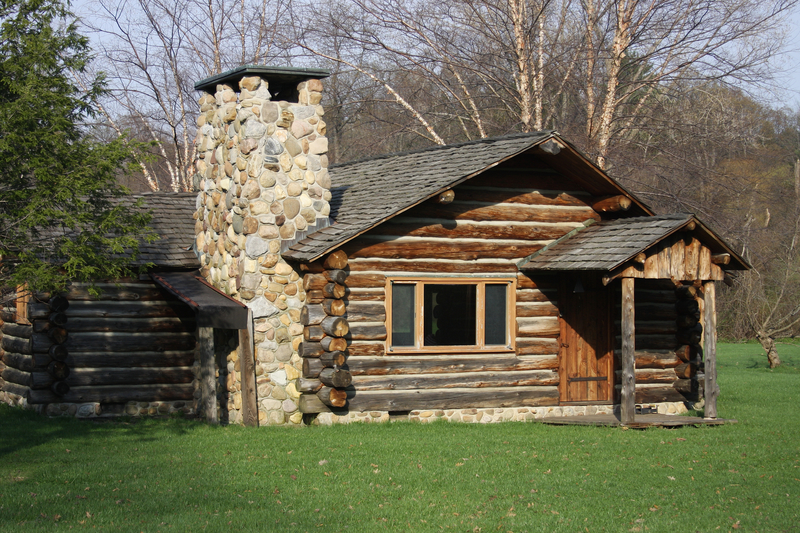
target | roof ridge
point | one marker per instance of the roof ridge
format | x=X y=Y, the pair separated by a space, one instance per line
x=447 y=146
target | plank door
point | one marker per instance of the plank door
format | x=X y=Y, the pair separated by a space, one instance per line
x=586 y=354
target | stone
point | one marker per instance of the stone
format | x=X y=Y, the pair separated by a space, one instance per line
x=251 y=190
x=284 y=353
x=250 y=83
x=268 y=231
x=296 y=418
x=85 y=410
x=286 y=119
x=259 y=207
x=261 y=307
x=254 y=128
x=251 y=280
x=301 y=128
x=250 y=225
x=302 y=112
x=314 y=98
x=287 y=231
x=293 y=189
x=278 y=377
x=270 y=111
x=314 y=85
x=289 y=406
x=272 y=146
x=238 y=223
x=267 y=179
x=293 y=147
x=275 y=418
x=324 y=179
x=291 y=374
x=247 y=146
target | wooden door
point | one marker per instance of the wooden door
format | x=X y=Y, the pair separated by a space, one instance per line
x=586 y=355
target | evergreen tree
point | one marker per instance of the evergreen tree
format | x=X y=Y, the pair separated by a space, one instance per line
x=62 y=212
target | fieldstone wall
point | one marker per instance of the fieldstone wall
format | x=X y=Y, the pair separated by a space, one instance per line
x=484 y=416
x=263 y=184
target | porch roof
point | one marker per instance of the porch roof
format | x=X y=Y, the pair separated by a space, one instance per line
x=606 y=245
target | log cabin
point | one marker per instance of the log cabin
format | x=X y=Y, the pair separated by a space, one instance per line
x=500 y=279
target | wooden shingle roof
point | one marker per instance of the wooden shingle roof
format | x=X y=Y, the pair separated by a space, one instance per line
x=605 y=245
x=173 y=222
x=368 y=192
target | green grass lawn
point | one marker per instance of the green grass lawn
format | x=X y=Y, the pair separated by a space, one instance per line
x=180 y=475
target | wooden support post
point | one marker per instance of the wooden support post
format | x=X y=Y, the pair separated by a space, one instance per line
x=627 y=409
x=248 y=365
x=208 y=374
x=710 y=349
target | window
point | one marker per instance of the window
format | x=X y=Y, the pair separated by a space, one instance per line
x=450 y=314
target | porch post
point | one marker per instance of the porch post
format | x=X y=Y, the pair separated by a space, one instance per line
x=208 y=381
x=627 y=406
x=248 y=366
x=710 y=349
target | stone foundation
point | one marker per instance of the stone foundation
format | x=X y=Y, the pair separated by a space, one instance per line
x=484 y=416
x=96 y=410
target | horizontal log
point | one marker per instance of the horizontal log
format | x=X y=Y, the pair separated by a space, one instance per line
x=537 y=296
x=138 y=309
x=308 y=385
x=651 y=359
x=366 y=295
x=365 y=348
x=335 y=377
x=366 y=331
x=129 y=359
x=611 y=204
x=440 y=364
x=652 y=375
x=542 y=282
x=312 y=367
x=653 y=311
x=436 y=267
x=335 y=260
x=130 y=342
x=445 y=197
x=655 y=295
x=540 y=309
x=117 y=292
x=12 y=375
x=313 y=333
x=449 y=229
x=652 y=342
x=538 y=326
x=17 y=345
x=13 y=388
x=8 y=314
x=441 y=249
x=365 y=312
x=332 y=358
x=721 y=259
x=687 y=353
x=314 y=282
x=17 y=330
x=117 y=394
x=456 y=380
x=686 y=370
x=537 y=346
x=312 y=314
x=19 y=361
x=58 y=370
x=536 y=198
x=332 y=397
x=359 y=280
x=481 y=212
x=133 y=325
x=58 y=319
x=314 y=296
x=652 y=327
x=310 y=349
x=58 y=304
x=334 y=307
x=687 y=307
x=117 y=376
x=687 y=321
x=334 y=290
x=438 y=399
x=335 y=326
x=336 y=276
x=38 y=310
x=687 y=292
x=59 y=388
x=334 y=344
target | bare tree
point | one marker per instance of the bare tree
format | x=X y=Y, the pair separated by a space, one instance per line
x=154 y=50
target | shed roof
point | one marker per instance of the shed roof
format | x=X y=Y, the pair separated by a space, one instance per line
x=368 y=192
x=608 y=244
x=173 y=223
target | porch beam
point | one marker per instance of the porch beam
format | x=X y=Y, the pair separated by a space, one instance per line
x=627 y=409
x=710 y=348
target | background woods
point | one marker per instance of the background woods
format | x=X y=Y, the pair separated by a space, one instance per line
x=660 y=93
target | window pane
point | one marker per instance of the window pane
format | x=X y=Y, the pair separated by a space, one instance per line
x=450 y=315
x=495 y=318
x=402 y=314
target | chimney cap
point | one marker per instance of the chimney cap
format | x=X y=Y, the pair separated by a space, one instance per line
x=275 y=76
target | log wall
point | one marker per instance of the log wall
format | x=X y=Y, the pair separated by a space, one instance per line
x=494 y=221
x=668 y=354
x=133 y=345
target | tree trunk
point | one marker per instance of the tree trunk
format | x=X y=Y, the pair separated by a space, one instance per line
x=768 y=343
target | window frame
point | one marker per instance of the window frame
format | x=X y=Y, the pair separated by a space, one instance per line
x=480 y=318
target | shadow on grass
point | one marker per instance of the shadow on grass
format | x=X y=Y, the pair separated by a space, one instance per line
x=22 y=429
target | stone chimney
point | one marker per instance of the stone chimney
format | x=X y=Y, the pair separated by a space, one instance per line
x=263 y=184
